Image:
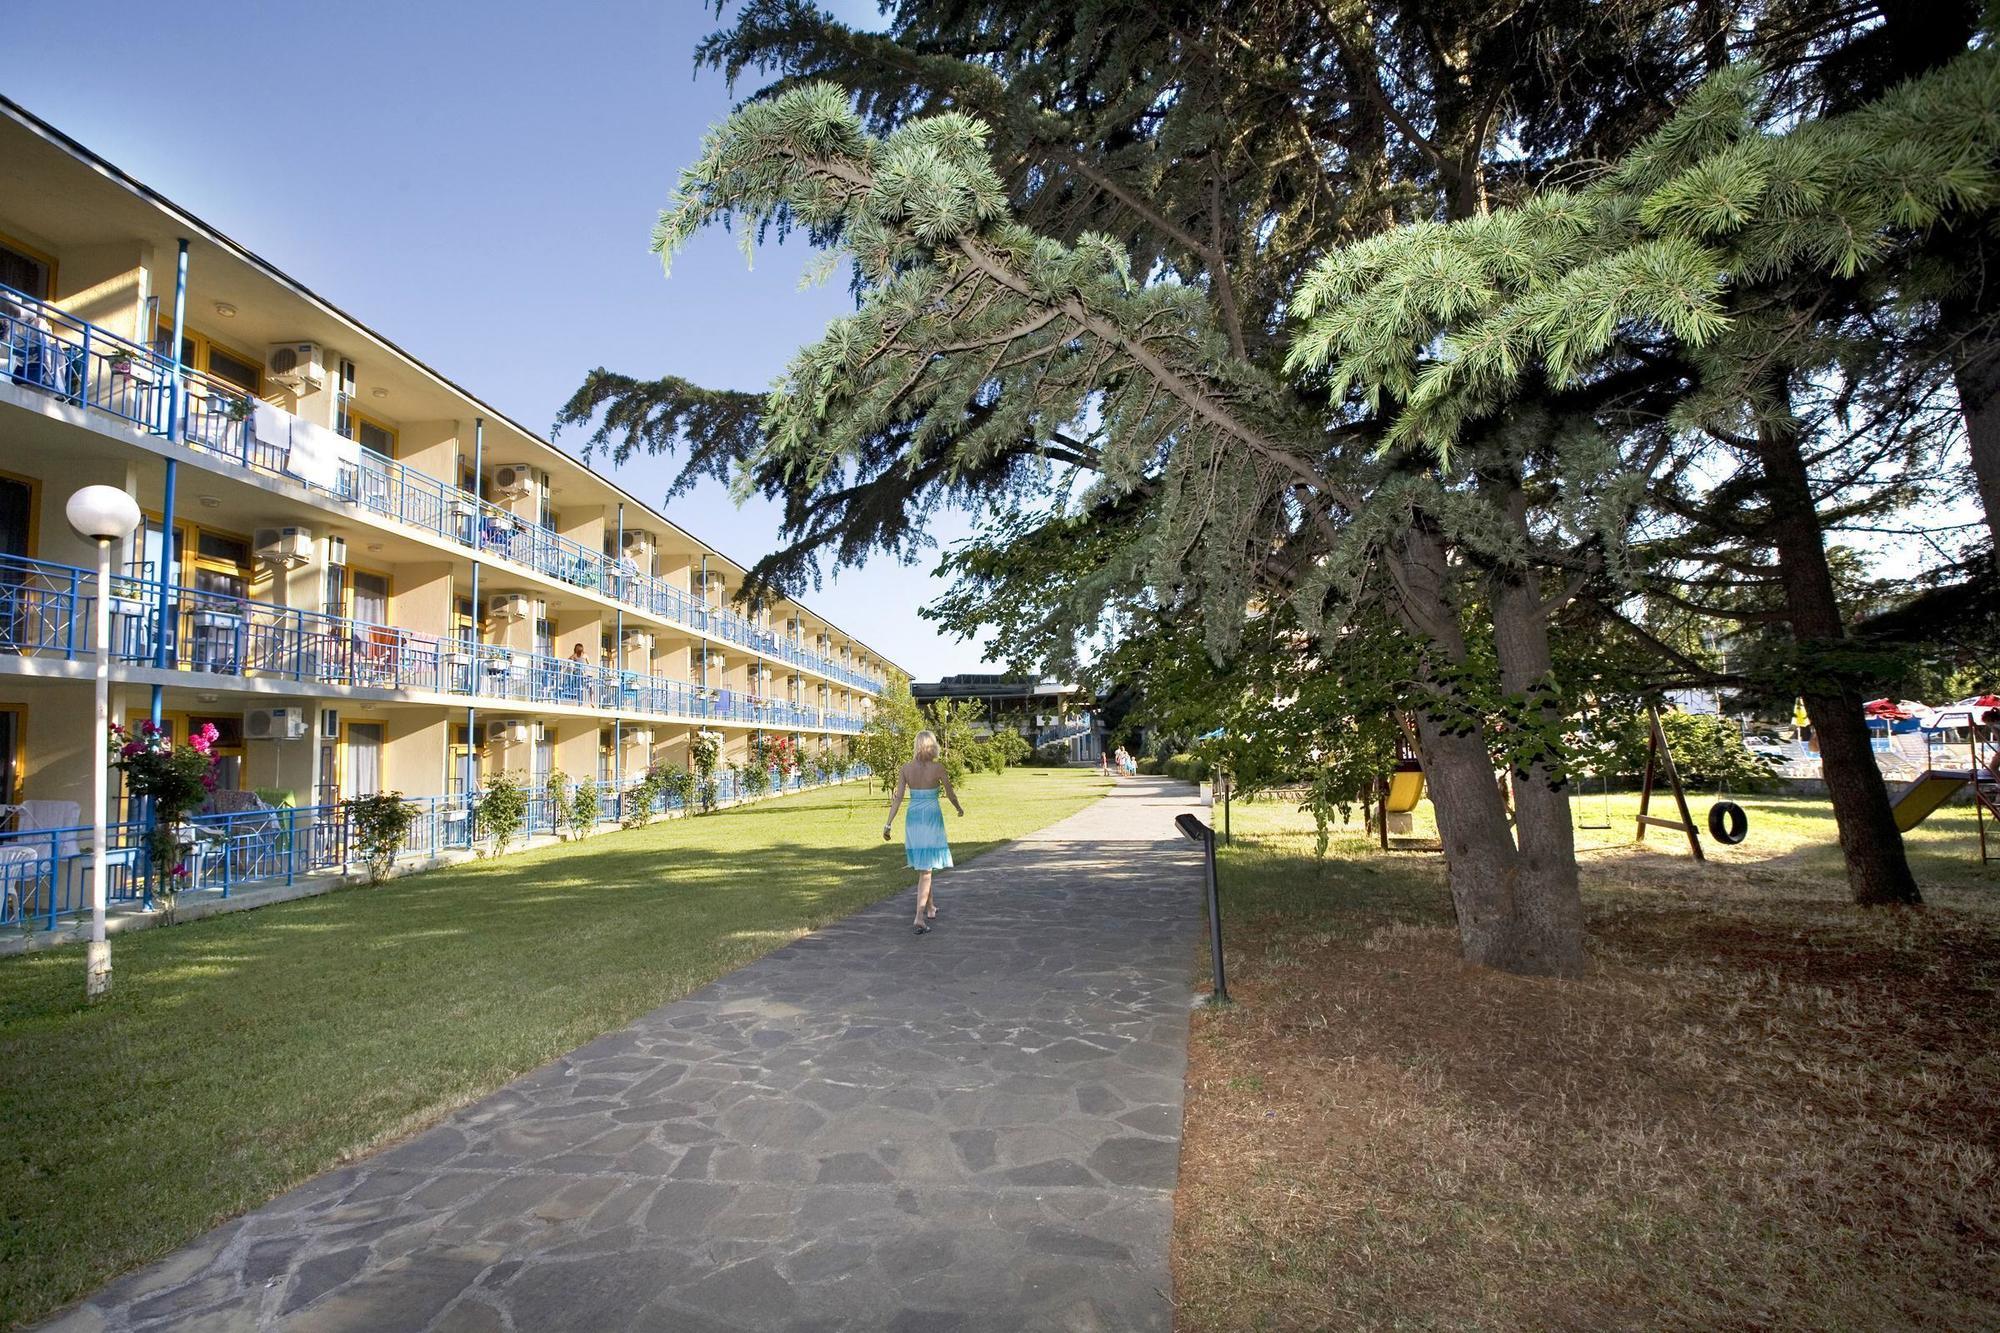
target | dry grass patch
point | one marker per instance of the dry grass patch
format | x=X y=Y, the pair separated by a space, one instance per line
x=1762 y=1109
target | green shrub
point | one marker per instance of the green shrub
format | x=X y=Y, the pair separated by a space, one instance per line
x=501 y=810
x=1011 y=746
x=636 y=807
x=706 y=752
x=380 y=824
x=678 y=784
x=582 y=809
x=1187 y=768
x=1151 y=765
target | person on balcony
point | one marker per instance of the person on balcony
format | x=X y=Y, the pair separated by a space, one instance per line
x=582 y=680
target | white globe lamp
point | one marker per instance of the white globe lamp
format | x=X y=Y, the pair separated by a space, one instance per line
x=103 y=514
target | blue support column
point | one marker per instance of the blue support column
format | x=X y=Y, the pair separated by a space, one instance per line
x=618 y=680
x=474 y=668
x=177 y=389
x=176 y=406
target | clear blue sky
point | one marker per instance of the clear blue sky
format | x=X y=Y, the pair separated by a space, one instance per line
x=477 y=179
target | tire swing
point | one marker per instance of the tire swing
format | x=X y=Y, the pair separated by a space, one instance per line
x=1727 y=823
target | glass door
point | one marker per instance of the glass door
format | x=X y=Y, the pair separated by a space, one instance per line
x=364 y=759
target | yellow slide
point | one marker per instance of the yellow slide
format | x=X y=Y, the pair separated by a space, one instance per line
x=1405 y=790
x=1922 y=797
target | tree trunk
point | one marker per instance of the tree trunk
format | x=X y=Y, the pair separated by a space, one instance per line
x=1972 y=319
x=1548 y=902
x=1878 y=872
x=1481 y=862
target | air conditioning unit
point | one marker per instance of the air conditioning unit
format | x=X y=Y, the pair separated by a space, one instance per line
x=641 y=736
x=275 y=724
x=336 y=550
x=289 y=547
x=635 y=541
x=300 y=365
x=508 y=606
x=512 y=481
x=506 y=732
x=638 y=638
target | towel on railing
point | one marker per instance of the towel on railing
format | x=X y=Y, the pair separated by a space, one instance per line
x=317 y=455
x=270 y=427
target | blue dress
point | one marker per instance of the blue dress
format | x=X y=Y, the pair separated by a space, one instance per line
x=924 y=843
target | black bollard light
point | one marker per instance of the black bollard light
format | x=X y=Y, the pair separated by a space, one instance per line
x=1196 y=831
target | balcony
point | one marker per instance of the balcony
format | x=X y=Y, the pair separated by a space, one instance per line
x=84 y=365
x=47 y=612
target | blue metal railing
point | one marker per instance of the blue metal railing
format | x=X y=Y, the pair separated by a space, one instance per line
x=88 y=366
x=45 y=873
x=47 y=611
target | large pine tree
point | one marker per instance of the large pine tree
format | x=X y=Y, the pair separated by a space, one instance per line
x=1075 y=232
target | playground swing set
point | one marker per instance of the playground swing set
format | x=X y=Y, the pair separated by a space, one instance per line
x=1397 y=795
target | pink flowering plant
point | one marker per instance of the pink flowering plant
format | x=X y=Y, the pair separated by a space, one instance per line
x=176 y=776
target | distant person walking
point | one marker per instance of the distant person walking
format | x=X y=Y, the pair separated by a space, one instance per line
x=924 y=845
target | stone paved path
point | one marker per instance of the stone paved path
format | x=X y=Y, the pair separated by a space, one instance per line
x=976 y=1129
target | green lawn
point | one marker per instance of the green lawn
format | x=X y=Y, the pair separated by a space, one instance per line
x=244 y=1054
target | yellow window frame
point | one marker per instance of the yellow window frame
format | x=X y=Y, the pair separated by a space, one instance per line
x=34 y=486
x=40 y=256
x=202 y=349
x=394 y=433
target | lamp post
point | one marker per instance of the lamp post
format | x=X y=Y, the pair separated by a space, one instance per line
x=103 y=514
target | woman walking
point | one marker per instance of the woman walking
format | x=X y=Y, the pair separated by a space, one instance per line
x=924 y=845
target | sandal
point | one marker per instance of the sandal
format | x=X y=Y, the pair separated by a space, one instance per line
x=921 y=929
x=933 y=914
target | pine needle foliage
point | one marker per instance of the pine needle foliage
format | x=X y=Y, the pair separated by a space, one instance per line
x=1442 y=325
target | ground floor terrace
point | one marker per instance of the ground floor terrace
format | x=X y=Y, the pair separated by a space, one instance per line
x=289 y=761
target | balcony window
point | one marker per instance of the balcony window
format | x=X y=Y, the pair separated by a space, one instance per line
x=364 y=758
x=370 y=594
x=27 y=270
x=200 y=352
x=460 y=775
x=221 y=564
x=372 y=435
x=17 y=516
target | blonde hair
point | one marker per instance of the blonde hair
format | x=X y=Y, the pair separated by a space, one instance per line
x=926 y=749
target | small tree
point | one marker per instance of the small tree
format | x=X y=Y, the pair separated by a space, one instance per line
x=705 y=751
x=555 y=789
x=960 y=750
x=583 y=808
x=884 y=740
x=381 y=823
x=501 y=810
x=678 y=784
x=636 y=805
x=1010 y=746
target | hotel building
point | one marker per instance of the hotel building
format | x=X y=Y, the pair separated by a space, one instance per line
x=366 y=578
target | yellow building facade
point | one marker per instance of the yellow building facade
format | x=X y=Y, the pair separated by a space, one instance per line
x=364 y=577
